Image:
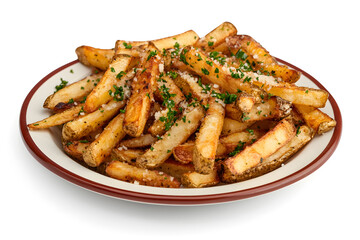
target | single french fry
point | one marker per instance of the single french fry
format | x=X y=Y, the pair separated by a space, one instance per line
x=187 y=38
x=138 y=142
x=175 y=168
x=276 y=160
x=101 y=95
x=138 y=108
x=216 y=37
x=95 y=57
x=269 y=109
x=101 y=148
x=132 y=174
x=207 y=139
x=189 y=84
x=246 y=48
x=75 y=149
x=319 y=121
x=73 y=92
x=198 y=180
x=178 y=134
x=58 y=118
x=88 y=123
x=233 y=126
x=258 y=151
x=126 y=155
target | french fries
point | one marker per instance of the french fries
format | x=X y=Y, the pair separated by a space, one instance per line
x=95 y=57
x=109 y=84
x=101 y=148
x=258 y=151
x=207 y=138
x=184 y=111
x=73 y=92
x=138 y=108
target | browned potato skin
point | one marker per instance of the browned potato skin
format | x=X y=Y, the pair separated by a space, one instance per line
x=138 y=107
x=129 y=155
x=138 y=142
x=175 y=168
x=319 y=121
x=198 y=180
x=260 y=58
x=281 y=156
x=76 y=91
x=95 y=57
x=58 y=118
x=128 y=173
x=252 y=155
x=102 y=146
x=75 y=149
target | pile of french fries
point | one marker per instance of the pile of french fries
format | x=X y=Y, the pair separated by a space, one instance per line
x=185 y=111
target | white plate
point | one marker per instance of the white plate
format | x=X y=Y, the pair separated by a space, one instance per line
x=46 y=147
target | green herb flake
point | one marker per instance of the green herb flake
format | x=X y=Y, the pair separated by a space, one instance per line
x=61 y=85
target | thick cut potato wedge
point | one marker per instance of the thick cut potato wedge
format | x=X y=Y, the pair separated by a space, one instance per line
x=259 y=58
x=138 y=142
x=101 y=95
x=198 y=180
x=271 y=108
x=88 y=123
x=138 y=108
x=216 y=37
x=207 y=139
x=254 y=154
x=279 y=157
x=76 y=91
x=75 y=149
x=178 y=134
x=175 y=169
x=317 y=120
x=101 y=148
x=58 y=118
x=95 y=57
x=233 y=126
x=132 y=174
x=126 y=155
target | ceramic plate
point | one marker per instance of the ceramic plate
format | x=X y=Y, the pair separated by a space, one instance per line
x=46 y=147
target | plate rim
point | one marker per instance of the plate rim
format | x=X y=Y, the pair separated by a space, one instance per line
x=178 y=199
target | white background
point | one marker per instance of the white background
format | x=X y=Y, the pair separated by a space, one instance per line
x=321 y=37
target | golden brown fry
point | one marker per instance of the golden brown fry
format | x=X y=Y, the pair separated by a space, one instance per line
x=198 y=180
x=132 y=174
x=101 y=148
x=88 y=123
x=75 y=149
x=73 y=92
x=101 y=95
x=319 y=121
x=245 y=102
x=138 y=108
x=95 y=57
x=58 y=118
x=175 y=168
x=276 y=160
x=216 y=37
x=246 y=48
x=270 y=108
x=207 y=139
x=138 y=142
x=178 y=134
x=233 y=126
x=258 y=151
x=126 y=155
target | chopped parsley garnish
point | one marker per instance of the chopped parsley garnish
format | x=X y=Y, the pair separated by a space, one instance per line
x=71 y=100
x=205 y=71
x=61 y=85
x=122 y=73
x=226 y=97
x=215 y=55
x=151 y=54
x=298 y=131
x=170 y=118
x=71 y=71
x=118 y=94
x=112 y=69
x=83 y=141
x=241 y=55
x=127 y=46
x=183 y=57
x=172 y=74
x=238 y=148
x=210 y=44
